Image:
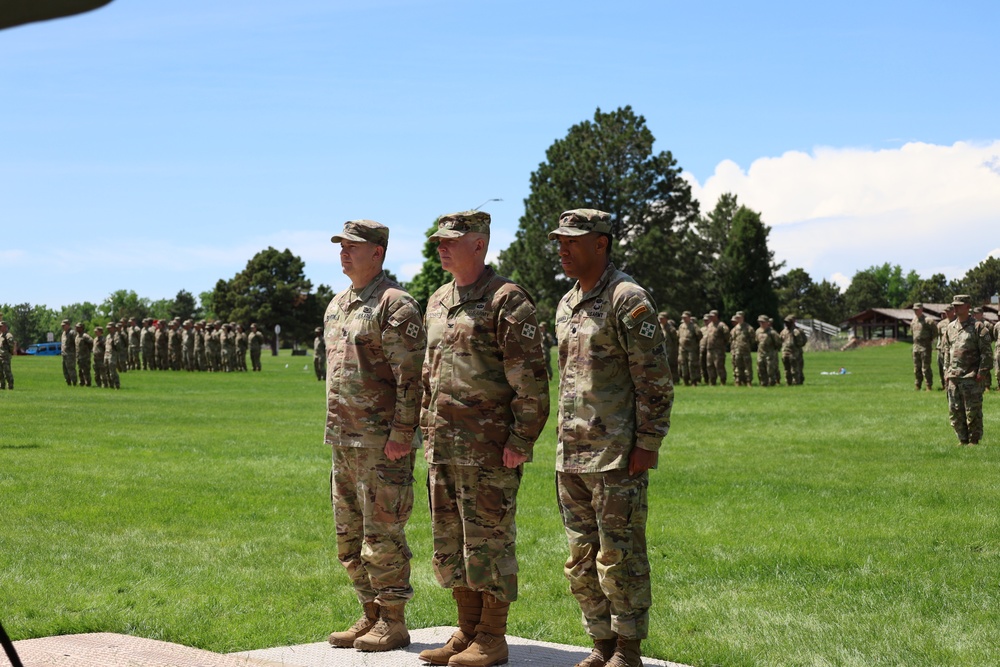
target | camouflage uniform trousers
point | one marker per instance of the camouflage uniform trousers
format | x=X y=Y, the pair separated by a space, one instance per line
x=83 y=370
x=715 y=363
x=791 y=374
x=200 y=359
x=940 y=360
x=6 y=376
x=689 y=368
x=134 y=361
x=372 y=499
x=100 y=372
x=69 y=369
x=319 y=365
x=111 y=379
x=255 y=359
x=965 y=408
x=473 y=513
x=742 y=368
x=764 y=370
x=604 y=515
x=148 y=358
x=800 y=359
x=774 y=366
x=922 y=367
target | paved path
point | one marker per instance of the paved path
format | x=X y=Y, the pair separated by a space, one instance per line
x=113 y=650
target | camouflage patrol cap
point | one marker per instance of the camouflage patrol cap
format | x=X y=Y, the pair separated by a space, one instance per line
x=582 y=221
x=686 y=313
x=763 y=318
x=112 y=325
x=99 y=328
x=706 y=316
x=918 y=305
x=363 y=231
x=789 y=318
x=713 y=312
x=739 y=313
x=457 y=225
x=977 y=309
x=78 y=325
x=962 y=300
x=66 y=322
x=662 y=313
x=190 y=322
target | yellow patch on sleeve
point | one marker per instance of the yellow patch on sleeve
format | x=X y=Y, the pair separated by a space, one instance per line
x=641 y=310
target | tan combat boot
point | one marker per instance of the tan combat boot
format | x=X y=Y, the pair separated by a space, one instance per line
x=470 y=609
x=490 y=645
x=388 y=633
x=603 y=650
x=345 y=639
x=626 y=654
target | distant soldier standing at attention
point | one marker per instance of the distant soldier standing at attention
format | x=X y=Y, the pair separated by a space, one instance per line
x=84 y=350
x=242 y=341
x=6 y=353
x=100 y=349
x=375 y=346
x=741 y=341
x=671 y=343
x=187 y=345
x=615 y=397
x=977 y=313
x=200 y=361
x=948 y=318
x=111 y=347
x=924 y=334
x=766 y=352
x=319 y=354
x=147 y=344
x=966 y=362
x=689 y=336
x=68 y=342
x=717 y=338
x=793 y=340
x=134 y=345
x=254 y=342
x=486 y=399
x=162 y=341
x=175 y=341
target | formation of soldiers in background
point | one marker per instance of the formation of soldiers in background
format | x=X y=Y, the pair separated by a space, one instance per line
x=928 y=335
x=700 y=352
x=214 y=347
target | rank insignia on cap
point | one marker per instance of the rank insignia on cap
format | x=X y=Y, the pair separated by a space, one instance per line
x=529 y=331
x=647 y=329
x=641 y=310
x=412 y=330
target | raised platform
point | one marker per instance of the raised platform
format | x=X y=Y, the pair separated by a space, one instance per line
x=113 y=650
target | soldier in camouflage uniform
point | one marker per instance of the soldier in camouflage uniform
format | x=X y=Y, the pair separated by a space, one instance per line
x=793 y=340
x=68 y=342
x=319 y=355
x=716 y=341
x=688 y=336
x=615 y=396
x=671 y=343
x=200 y=361
x=6 y=353
x=374 y=343
x=213 y=347
x=485 y=402
x=84 y=350
x=703 y=346
x=175 y=340
x=981 y=323
x=948 y=318
x=242 y=341
x=966 y=362
x=112 y=345
x=741 y=342
x=162 y=346
x=254 y=341
x=134 y=345
x=123 y=354
x=147 y=344
x=924 y=334
x=996 y=354
x=100 y=349
x=187 y=345
x=767 y=359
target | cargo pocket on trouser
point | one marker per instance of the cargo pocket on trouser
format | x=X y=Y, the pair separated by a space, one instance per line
x=492 y=560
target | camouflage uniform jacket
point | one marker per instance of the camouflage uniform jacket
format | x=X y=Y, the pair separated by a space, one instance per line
x=688 y=336
x=319 y=347
x=146 y=338
x=924 y=332
x=967 y=351
x=741 y=337
x=671 y=340
x=615 y=391
x=6 y=346
x=717 y=336
x=134 y=337
x=241 y=342
x=84 y=346
x=484 y=378
x=255 y=340
x=374 y=348
x=792 y=340
x=99 y=347
x=69 y=344
x=766 y=342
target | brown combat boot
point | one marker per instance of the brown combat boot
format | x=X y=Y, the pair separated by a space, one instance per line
x=345 y=639
x=490 y=645
x=470 y=609
x=603 y=650
x=388 y=633
x=626 y=654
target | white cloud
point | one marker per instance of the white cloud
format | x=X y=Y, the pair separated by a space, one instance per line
x=836 y=211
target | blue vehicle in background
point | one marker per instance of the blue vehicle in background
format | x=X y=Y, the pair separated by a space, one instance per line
x=44 y=349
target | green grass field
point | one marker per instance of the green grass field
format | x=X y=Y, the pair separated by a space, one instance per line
x=830 y=524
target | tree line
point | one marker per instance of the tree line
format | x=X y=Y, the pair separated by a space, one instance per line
x=686 y=259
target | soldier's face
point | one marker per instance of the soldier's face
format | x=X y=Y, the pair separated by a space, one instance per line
x=582 y=256
x=459 y=255
x=358 y=258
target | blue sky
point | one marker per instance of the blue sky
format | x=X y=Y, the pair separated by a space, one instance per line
x=156 y=146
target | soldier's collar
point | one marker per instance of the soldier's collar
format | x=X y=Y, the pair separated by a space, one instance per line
x=476 y=290
x=602 y=282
